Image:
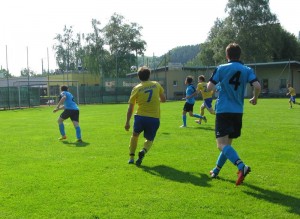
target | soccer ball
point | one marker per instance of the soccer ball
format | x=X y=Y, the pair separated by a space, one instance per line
x=133 y=68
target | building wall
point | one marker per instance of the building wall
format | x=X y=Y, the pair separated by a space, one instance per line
x=275 y=75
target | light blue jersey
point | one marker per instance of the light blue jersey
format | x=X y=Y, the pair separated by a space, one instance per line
x=69 y=102
x=233 y=78
x=189 y=91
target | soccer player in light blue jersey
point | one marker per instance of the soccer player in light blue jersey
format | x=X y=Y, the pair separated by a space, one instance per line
x=190 y=101
x=71 y=111
x=233 y=78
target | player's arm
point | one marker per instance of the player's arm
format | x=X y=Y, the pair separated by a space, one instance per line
x=256 y=92
x=210 y=86
x=129 y=115
x=60 y=104
x=192 y=95
x=162 y=97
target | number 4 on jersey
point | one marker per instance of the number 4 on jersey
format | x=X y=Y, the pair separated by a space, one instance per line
x=235 y=80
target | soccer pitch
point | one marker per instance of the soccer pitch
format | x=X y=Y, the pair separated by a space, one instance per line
x=42 y=177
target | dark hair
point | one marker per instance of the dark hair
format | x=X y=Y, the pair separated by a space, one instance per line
x=64 y=88
x=144 y=73
x=189 y=79
x=201 y=77
x=233 y=51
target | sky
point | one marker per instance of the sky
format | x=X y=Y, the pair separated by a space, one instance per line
x=29 y=26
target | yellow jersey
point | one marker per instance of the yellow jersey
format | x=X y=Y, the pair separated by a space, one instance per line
x=147 y=96
x=202 y=87
x=292 y=91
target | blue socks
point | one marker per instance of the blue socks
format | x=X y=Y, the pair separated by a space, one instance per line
x=220 y=163
x=231 y=155
x=78 y=132
x=198 y=116
x=63 y=133
x=184 y=120
x=62 y=129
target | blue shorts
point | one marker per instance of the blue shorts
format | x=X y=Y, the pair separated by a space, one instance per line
x=145 y=124
x=293 y=99
x=208 y=103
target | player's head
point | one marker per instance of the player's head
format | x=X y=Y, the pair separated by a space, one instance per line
x=233 y=51
x=289 y=85
x=188 y=80
x=144 y=73
x=201 y=78
x=64 y=88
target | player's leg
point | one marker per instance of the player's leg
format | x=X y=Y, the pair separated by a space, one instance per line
x=183 y=119
x=132 y=146
x=75 y=120
x=137 y=129
x=151 y=126
x=202 y=107
x=63 y=116
x=219 y=164
x=227 y=128
x=184 y=111
x=290 y=102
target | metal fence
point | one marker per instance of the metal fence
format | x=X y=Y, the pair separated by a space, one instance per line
x=111 y=90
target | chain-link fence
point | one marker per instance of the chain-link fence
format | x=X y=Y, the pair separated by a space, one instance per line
x=111 y=90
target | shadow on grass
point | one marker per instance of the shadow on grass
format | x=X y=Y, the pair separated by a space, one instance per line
x=276 y=197
x=76 y=144
x=177 y=175
x=273 y=197
x=205 y=128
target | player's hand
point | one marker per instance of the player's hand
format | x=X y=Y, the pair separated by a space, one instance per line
x=127 y=127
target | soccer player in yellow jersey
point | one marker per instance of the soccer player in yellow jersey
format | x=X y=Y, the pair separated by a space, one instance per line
x=292 y=93
x=147 y=95
x=207 y=97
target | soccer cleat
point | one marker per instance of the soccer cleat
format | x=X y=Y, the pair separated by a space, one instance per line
x=197 y=121
x=242 y=174
x=204 y=119
x=131 y=161
x=62 y=138
x=138 y=162
x=79 y=140
x=182 y=126
x=212 y=174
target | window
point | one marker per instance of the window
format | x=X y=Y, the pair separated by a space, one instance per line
x=175 y=83
x=282 y=83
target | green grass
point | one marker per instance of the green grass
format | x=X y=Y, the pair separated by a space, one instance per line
x=41 y=177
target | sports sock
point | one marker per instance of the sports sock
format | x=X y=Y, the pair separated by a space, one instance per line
x=220 y=163
x=184 y=120
x=62 y=129
x=147 y=145
x=132 y=145
x=231 y=155
x=78 y=132
x=197 y=116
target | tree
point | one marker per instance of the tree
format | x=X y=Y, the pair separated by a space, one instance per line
x=5 y=73
x=25 y=72
x=252 y=25
x=124 y=41
x=65 y=50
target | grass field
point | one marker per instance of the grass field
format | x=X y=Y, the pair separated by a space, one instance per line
x=41 y=177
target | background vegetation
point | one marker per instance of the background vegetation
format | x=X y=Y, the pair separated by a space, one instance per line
x=111 y=49
x=44 y=178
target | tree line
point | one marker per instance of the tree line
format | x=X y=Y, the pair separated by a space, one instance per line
x=258 y=31
x=111 y=50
